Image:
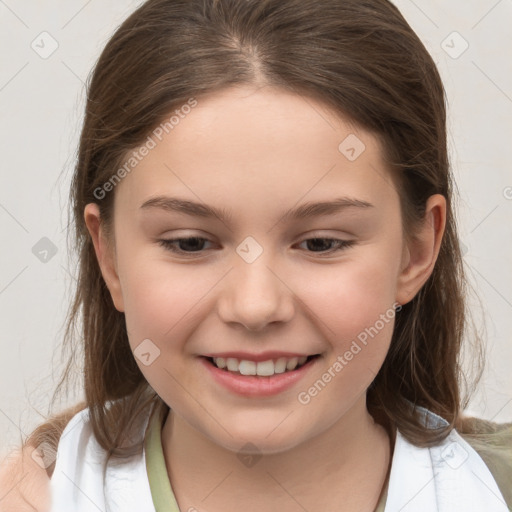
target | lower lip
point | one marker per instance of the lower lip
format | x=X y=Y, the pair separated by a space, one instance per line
x=255 y=385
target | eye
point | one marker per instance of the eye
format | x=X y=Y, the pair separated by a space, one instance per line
x=191 y=245
x=191 y=242
x=320 y=243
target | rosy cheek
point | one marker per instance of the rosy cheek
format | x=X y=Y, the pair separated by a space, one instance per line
x=348 y=291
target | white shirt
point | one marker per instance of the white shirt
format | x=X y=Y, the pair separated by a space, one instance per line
x=450 y=477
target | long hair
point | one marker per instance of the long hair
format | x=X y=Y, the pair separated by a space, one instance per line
x=360 y=58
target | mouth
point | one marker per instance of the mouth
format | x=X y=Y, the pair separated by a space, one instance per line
x=266 y=368
x=259 y=379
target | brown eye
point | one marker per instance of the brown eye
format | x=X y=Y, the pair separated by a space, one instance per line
x=188 y=245
x=322 y=244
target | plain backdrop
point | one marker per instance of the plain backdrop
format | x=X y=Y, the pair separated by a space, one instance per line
x=41 y=109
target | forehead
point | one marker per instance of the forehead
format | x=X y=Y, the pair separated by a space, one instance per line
x=247 y=146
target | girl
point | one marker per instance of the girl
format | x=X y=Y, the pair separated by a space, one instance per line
x=271 y=284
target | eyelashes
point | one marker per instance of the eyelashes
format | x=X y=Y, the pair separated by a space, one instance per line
x=172 y=245
x=340 y=244
x=169 y=244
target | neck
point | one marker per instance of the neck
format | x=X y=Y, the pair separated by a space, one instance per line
x=343 y=468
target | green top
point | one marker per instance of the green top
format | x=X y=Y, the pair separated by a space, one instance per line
x=493 y=444
x=161 y=491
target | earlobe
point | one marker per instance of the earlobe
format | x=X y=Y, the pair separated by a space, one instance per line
x=421 y=254
x=104 y=254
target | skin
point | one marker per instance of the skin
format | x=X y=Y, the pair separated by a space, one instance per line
x=24 y=482
x=259 y=152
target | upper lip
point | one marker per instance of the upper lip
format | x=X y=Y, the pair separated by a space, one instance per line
x=262 y=356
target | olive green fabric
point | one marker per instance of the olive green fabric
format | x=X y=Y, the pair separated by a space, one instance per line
x=493 y=443
x=382 y=503
x=163 y=497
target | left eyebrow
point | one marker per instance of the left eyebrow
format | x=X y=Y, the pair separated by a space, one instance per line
x=306 y=210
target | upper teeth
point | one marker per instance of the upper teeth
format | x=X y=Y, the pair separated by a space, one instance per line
x=263 y=368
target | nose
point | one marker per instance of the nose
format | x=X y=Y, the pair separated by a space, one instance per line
x=254 y=295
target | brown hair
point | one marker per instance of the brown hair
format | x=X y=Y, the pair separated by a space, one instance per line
x=361 y=59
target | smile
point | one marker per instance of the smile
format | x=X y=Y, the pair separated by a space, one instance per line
x=258 y=379
x=261 y=368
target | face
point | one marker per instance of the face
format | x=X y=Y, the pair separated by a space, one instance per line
x=259 y=282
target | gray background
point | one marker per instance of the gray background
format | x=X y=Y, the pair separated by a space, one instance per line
x=41 y=107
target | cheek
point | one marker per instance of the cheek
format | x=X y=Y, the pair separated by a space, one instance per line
x=164 y=304
x=162 y=300
x=353 y=305
x=350 y=296
x=355 y=311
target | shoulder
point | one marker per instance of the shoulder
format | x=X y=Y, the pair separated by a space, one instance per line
x=77 y=445
x=25 y=472
x=487 y=437
x=79 y=466
x=24 y=482
x=85 y=471
x=473 y=462
x=493 y=443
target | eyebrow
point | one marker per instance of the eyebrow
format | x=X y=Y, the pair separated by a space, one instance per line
x=306 y=210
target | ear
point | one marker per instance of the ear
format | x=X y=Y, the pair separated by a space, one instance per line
x=420 y=255
x=105 y=254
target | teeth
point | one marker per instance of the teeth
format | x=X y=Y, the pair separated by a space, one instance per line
x=220 y=362
x=232 y=364
x=292 y=363
x=280 y=365
x=247 y=367
x=262 y=368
